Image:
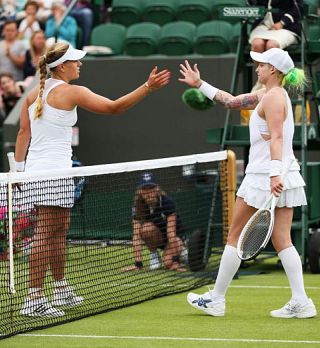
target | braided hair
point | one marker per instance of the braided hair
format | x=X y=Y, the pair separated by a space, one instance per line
x=52 y=54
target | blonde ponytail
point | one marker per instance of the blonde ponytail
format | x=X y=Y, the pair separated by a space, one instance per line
x=43 y=75
x=53 y=53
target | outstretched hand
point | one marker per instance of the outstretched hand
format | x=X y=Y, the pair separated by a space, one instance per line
x=191 y=75
x=157 y=79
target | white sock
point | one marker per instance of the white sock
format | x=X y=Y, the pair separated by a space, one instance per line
x=292 y=265
x=61 y=283
x=229 y=265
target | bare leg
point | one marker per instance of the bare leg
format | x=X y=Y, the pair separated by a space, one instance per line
x=60 y=227
x=272 y=44
x=151 y=236
x=258 y=45
x=49 y=245
x=40 y=253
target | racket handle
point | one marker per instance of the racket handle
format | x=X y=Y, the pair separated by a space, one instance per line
x=12 y=161
x=274 y=201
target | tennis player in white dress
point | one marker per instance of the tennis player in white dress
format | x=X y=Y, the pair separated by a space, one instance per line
x=271 y=133
x=44 y=143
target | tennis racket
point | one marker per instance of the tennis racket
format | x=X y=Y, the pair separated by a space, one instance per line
x=257 y=231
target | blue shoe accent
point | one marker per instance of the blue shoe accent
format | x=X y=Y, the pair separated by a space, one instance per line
x=201 y=302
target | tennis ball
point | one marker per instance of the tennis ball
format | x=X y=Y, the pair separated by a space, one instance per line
x=196 y=99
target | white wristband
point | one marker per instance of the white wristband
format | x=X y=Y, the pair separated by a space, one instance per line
x=275 y=168
x=20 y=166
x=208 y=90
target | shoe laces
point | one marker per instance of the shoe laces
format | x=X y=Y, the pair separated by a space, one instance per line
x=292 y=307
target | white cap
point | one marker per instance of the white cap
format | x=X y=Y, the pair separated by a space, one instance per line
x=277 y=57
x=71 y=54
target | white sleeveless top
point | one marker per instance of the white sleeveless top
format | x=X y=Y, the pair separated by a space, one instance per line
x=51 y=134
x=259 y=155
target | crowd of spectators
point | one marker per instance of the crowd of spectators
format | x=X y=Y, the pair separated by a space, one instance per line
x=27 y=27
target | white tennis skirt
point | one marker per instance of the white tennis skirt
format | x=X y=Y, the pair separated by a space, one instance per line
x=56 y=193
x=284 y=37
x=255 y=190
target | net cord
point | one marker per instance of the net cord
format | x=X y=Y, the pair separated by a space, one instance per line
x=114 y=168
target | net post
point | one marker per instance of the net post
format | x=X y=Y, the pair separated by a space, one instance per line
x=228 y=184
x=10 y=230
x=12 y=164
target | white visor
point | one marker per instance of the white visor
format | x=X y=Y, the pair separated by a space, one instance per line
x=71 y=54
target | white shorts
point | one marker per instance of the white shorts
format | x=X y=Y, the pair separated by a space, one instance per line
x=255 y=190
x=284 y=37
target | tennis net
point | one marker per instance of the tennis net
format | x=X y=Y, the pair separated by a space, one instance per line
x=82 y=256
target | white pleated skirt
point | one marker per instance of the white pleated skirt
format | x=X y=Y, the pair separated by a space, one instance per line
x=284 y=37
x=255 y=190
x=55 y=193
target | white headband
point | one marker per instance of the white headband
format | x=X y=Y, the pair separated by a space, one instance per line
x=71 y=54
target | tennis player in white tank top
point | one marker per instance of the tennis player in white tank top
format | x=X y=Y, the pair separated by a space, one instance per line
x=48 y=113
x=271 y=133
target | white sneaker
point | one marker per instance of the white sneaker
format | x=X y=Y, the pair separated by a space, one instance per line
x=154 y=261
x=206 y=304
x=40 y=307
x=66 y=297
x=294 y=309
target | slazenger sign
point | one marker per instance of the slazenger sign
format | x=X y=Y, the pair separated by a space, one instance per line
x=242 y=12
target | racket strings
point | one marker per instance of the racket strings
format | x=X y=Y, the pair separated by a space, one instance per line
x=255 y=234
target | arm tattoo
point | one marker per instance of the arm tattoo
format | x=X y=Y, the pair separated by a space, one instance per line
x=244 y=101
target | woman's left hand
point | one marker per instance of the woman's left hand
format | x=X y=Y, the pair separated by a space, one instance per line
x=157 y=79
x=276 y=185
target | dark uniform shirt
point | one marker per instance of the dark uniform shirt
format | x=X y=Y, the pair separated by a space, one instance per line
x=159 y=215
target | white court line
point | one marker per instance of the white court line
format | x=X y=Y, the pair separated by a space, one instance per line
x=246 y=340
x=231 y=286
x=271 y=287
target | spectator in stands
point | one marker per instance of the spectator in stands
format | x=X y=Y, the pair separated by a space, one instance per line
x=29 y=24
x=43 y=13
x=84 y=16
x=157 y=225
x=64 y=32
x=11 y=92
x=12 y=51
x=44 y=140
x=33 y=54
x=280 y=28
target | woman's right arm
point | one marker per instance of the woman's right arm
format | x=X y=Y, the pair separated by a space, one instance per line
x=24 y=133
x=93 y=102
x=191 y=76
